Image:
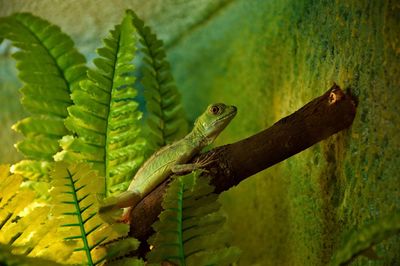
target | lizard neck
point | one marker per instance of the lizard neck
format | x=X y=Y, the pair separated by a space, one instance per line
x=197 y=139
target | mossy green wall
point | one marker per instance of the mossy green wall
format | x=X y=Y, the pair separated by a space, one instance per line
x=270 y=58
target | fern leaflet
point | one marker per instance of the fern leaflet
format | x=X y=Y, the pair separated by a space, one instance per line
x=166 y=120
x=105 y=116
x=25 y=225
x=50 y=68
x=76 y=187
x=187 y=232
x=28 y=225
x=118 y=252
x=9 y=259
x=12 y=201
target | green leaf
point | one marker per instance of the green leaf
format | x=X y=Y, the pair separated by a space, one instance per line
x=105 y=117
x=25 y=224
x=12 y=201
x=189 y=229
x=36 y=176
x=33 y=170
x=117 y=252
x=359 y=241
x=9 y=259
x=127 y=262
x=166 y=119
x=76 y=188
x=50 y=68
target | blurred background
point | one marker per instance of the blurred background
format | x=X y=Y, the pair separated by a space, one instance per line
x=268 y=58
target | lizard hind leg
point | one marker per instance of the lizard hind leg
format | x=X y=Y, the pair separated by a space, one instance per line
x=126 y=215
x=110 y=205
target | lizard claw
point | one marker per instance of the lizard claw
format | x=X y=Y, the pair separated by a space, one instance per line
x=208 y=159
x=198 y=164
x=125 y=218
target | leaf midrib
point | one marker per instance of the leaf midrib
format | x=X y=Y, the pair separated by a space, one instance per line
x=80 y=220
x=106 y=147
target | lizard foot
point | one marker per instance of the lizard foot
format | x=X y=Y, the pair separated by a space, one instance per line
x=125 y=218
x=181 y=169
x=208 y=159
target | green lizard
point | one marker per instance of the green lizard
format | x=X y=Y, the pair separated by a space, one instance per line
x=172 y=159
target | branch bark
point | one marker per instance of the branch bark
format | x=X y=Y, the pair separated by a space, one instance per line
x=317 y=120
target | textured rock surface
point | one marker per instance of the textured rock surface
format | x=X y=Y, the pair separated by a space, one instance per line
x=269 y=58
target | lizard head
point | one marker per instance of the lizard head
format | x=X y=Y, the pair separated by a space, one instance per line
x=214 y=120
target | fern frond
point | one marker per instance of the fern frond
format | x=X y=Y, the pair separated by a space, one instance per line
x=9 y=259
x=118 y=252
x=127 y=262
x=28 y=225
x=359 y=241
x=25 y=224
x=12 y=200
x=31 y=231
x=105 y=116
x=36 y=176
x=33 y=170
x=50 y=68
x=76 y=187
x=166 y=119
x=188 y=231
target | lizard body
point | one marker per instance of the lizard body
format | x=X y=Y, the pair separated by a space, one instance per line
x=172 y=158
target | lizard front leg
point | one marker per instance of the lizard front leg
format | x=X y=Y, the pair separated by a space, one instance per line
x=181 y=169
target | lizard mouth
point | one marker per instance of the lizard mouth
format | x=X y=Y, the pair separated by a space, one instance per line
x=228 y=116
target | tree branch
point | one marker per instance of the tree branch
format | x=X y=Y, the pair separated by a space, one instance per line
x=317 y=120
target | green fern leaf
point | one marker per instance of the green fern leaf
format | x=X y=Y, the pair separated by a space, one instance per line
x=28 y=225
x=76 y=186
x=105 y=116
x=127 y=262
x=118 y=252
x=12 y=201
x=9 y=259
x=50 y=68
x=25 y=224
x=166 y=120
x=359 y=241
x=188 y=231
x=33 y=170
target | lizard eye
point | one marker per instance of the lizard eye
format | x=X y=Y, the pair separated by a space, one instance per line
x=214 y=109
